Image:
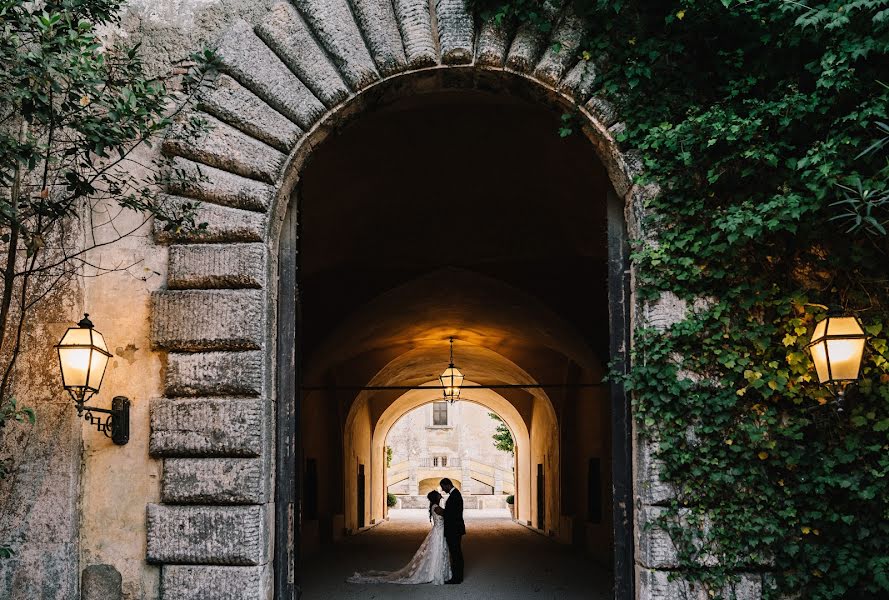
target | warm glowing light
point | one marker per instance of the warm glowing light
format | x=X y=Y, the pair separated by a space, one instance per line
x=837 y=347
x=451 y=379
x=83 y=357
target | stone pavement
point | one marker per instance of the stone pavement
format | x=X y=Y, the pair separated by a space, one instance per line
x=504 y=561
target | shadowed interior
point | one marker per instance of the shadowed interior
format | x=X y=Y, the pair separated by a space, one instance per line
x=455 y=214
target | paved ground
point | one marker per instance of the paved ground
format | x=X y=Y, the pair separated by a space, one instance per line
x=504 y=561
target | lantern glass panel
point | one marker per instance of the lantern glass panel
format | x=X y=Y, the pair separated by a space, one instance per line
x=75 y=364
x=97 y=370
x=451 y=380
x=820 y=328
x=845 y=358
x=843 y=326
x=99 y=340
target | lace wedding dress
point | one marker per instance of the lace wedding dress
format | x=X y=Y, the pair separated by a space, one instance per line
x=431 y=563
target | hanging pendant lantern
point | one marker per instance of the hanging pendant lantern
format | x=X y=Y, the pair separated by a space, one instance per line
x=451 y=379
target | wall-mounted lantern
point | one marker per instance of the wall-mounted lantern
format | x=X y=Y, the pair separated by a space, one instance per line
x=837 y=347
x=451 y=379
x=83 y=357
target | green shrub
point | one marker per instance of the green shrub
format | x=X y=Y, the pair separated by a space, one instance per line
x=391 y=500
x=510 y=499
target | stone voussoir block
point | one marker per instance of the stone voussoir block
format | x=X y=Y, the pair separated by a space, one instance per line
x=211 y=427
x=220 y=535
x=223 y=224
x=213 y=481
x=286 y=32
x=333 y=23
x=580 y=80
x=220 y=145
x=558 y=57
x=214 y=374
x=202 y=182
x=208 y=582
x=244 y=56
x=455 y=31
x=236 y=105
x=493 y=44
x=195 y=320
x=226 y=266
x=415 y=21
x=380 y=28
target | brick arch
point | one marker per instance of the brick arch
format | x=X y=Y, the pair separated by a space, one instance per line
x=284 y=84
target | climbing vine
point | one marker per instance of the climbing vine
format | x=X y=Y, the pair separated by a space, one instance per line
x=763 y=125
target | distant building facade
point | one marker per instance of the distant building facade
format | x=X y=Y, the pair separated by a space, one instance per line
x=441 y=439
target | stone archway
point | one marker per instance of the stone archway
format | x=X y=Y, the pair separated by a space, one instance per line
x=285 y=84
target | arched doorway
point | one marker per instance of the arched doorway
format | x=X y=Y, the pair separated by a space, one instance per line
x=229 y=318
x=391 y=266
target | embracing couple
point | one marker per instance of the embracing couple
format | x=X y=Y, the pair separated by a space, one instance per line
x=440 y=557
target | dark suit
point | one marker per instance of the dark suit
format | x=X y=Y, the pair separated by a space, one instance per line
x=454 y=530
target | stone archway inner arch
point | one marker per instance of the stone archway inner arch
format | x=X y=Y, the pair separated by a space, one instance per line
x=489 y=399
x=285 y=83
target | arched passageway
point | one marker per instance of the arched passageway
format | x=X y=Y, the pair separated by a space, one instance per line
x=503 y=248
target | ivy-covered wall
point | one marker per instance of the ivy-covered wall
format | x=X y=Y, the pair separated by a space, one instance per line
x=763 y=124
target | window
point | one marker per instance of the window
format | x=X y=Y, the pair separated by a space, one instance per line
x=444 y=461
x=439 y=413
x=434 y=461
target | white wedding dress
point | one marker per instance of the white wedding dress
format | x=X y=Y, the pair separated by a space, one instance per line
x=431 y=563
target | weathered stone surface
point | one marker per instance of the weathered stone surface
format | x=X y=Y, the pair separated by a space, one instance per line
x=194 y=320
x=101 y=582
x=455 y=31
x=246 y=58
x=649 y=487
x=655 y=549
x=40 y=570
x=580 y=80
x=231 y=102
x=203 y=266
x=335 y=27
x=525 y=48
x=380 y=29
x=286 y=32
x=493 y=43
x=213 y=481
x=657 y=585
x=194 y=180
x=527 y=44
x=181 y=582
x=206 y=427
x=225 y=147
x=557 y=59
x=602 y=110
x=415 y=22
x=221 y=535
x=214 y=374
x=665 y=312
x=223 y=225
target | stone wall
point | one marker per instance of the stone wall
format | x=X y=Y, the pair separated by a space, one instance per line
x=191 y=492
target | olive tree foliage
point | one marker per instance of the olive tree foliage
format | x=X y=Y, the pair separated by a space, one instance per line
x=502 y=435
x=75 y=117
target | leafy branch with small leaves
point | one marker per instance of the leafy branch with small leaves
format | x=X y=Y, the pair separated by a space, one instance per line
x=78 y=117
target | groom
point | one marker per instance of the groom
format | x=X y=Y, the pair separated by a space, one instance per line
x=454 y=529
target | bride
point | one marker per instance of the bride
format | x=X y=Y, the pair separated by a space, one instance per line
x=431 y=563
